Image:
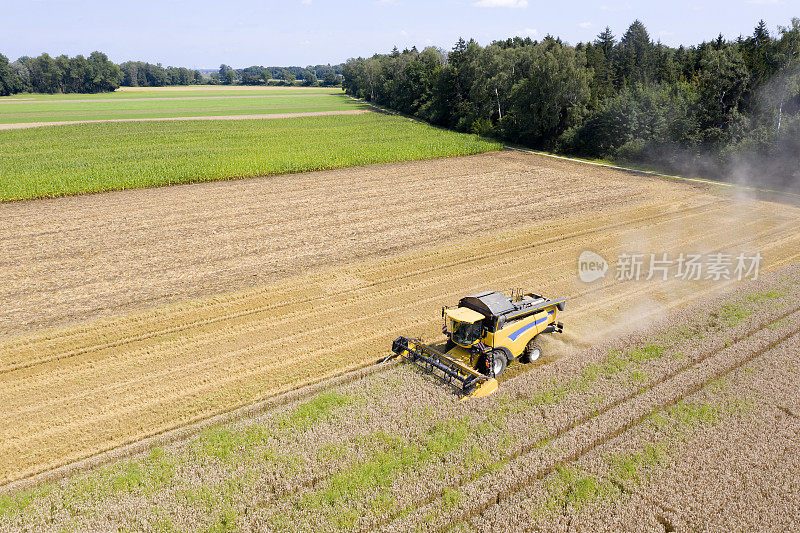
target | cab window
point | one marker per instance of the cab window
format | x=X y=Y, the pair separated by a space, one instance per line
x=466 y=334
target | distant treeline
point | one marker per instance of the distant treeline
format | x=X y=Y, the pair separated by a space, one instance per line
x=324 y=75
x=95 y=74
x=724 y=108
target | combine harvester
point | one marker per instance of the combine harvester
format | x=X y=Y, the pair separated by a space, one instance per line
x=485 y=332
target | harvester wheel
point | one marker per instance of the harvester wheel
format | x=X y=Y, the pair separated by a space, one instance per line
x=532 y=352
x=493 y=363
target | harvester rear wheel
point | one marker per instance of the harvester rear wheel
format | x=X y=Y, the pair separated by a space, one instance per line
x=493 y=363
x=532 y=352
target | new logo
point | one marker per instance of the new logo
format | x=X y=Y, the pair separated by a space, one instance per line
x=591 y=266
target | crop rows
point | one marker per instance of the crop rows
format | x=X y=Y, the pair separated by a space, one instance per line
x=112 y=109
x=395 y=446
x=235 y=359
x=29 y=350
x=723 y=458
x=126 y=93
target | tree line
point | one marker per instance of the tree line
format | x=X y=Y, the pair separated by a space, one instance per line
x=727 y=108
x=45 y=74
x=318 y=75
x=95 y=74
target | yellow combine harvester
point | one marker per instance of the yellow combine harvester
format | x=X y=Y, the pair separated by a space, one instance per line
x=485 y=332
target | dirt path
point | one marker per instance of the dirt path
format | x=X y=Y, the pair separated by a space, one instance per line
x=24 y=125
x=78 y=390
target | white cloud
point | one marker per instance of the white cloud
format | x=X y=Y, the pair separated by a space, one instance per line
x=764 y=2
x=403 y=33
x=585 y=25
x=529 y=32
x=305 y=2
x=386 y=3
x=501 y=3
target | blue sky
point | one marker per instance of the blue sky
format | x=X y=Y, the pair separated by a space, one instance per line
x=204 y=33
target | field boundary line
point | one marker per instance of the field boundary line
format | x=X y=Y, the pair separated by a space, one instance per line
x=194 y=426
x=264 y=116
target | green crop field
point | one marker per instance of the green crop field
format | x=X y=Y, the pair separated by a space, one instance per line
x=59 y=160
x=171 y=104
x=174 y=92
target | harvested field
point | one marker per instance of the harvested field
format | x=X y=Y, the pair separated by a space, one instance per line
x=597 y=437
x=121 y=377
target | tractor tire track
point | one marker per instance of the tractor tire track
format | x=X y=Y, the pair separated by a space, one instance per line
x=296 y=338
x=273 y=306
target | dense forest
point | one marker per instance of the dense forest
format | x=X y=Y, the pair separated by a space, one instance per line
x=728 y=109
x=95 y=74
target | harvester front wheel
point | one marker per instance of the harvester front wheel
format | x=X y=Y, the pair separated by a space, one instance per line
x=493 y=363
x=532 y=352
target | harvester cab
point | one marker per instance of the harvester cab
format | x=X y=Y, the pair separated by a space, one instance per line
x=465 y=326
x=485 y=332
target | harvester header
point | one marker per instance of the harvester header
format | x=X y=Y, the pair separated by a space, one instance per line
x=485 y=332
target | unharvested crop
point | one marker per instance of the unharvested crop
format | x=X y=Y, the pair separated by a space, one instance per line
x=196 y=105
x=694 y=465
x=126 y=93
x=100 y=157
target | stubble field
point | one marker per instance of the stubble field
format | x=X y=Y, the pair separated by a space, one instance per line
x=326 y=275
